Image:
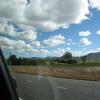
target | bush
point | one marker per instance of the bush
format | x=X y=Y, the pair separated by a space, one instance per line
x=72 y=61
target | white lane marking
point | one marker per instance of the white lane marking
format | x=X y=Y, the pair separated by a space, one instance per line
x=39 y=77
x=61 y=87
x=29 y=81
x=20 y=98
x=55 y=89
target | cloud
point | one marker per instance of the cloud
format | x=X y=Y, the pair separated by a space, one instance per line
x=77 y=53
x=54 y=40
x=36 y=43
x=95 y=4
x=15 y=45
x=20 y=46
x=98 y=32
x=41 y=51
x=58 y=52
x=7 y=29
x=85 y=34
x=28 y=33
x=68 y=49
x=85 y=41
x=13 y=9
x=70 y=42
x=93 y=50
x=98 y=49
x=44 y=14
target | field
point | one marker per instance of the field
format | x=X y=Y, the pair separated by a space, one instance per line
x=81 y=73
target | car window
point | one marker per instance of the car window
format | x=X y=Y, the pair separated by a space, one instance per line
x=52 y=47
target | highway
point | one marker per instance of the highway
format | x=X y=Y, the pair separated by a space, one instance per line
x=46 y=88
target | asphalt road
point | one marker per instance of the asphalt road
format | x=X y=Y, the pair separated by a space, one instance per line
x=45 y=88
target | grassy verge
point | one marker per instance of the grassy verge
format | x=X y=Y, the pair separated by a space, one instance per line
x=82 y=73
x=79 y=64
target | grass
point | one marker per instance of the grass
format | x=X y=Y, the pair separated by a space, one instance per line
x=79 y=64
x=81 y=73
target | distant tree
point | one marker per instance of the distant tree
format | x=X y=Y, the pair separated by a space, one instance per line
x=72 y=61
x=12 y=60
x=52 y=64
x=19 y=61
x=83 y=58
x=67 y=56
x=34 y=62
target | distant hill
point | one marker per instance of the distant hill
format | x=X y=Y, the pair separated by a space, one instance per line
x=90 y=57
x=93 y=56
x=52 y=58
x=36 y=58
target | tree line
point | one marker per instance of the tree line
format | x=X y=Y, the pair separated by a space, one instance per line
x=66 y=58
x=13 y=60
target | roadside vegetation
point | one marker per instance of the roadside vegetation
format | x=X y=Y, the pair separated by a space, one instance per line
x=65 y=61
x=63 y=67
x=84 y=73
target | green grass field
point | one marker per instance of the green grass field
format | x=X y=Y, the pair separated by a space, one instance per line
x=79 y=64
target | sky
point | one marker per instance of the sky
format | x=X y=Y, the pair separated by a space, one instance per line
x=42 y=28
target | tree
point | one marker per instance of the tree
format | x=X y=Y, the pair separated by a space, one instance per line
x=83 y=58
x=19 y=61
x=67 y=56
x=52 y=63
x=72 y=61
x=12 y=60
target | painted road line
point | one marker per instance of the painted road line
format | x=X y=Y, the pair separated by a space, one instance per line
x=59 y=87
x=39 y=77
x=20 y=98
x=29 y=81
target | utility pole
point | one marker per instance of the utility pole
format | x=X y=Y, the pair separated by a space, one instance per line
x=10 y=59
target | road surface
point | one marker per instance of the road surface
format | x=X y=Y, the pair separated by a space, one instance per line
x=45 y=88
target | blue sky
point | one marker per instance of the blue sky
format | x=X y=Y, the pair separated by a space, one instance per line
x=48 y=29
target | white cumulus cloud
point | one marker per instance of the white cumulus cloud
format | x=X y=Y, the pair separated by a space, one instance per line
x=13 y=9
x=48 y=14
x=98 y=32
x=15 y=45
x=58 y=52
x=28 y=33
x=36 y=43
x=7 y=29
x=45 y=14
x=20 y=46
x=41 y=51
x=95 y=4
x=54 y=40
x=85 y=41
x=70 y=42
x=84 y=33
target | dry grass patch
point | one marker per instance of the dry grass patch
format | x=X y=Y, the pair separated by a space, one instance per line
x=68 y=73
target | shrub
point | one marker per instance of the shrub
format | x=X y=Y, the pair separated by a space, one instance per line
x=72 y=61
